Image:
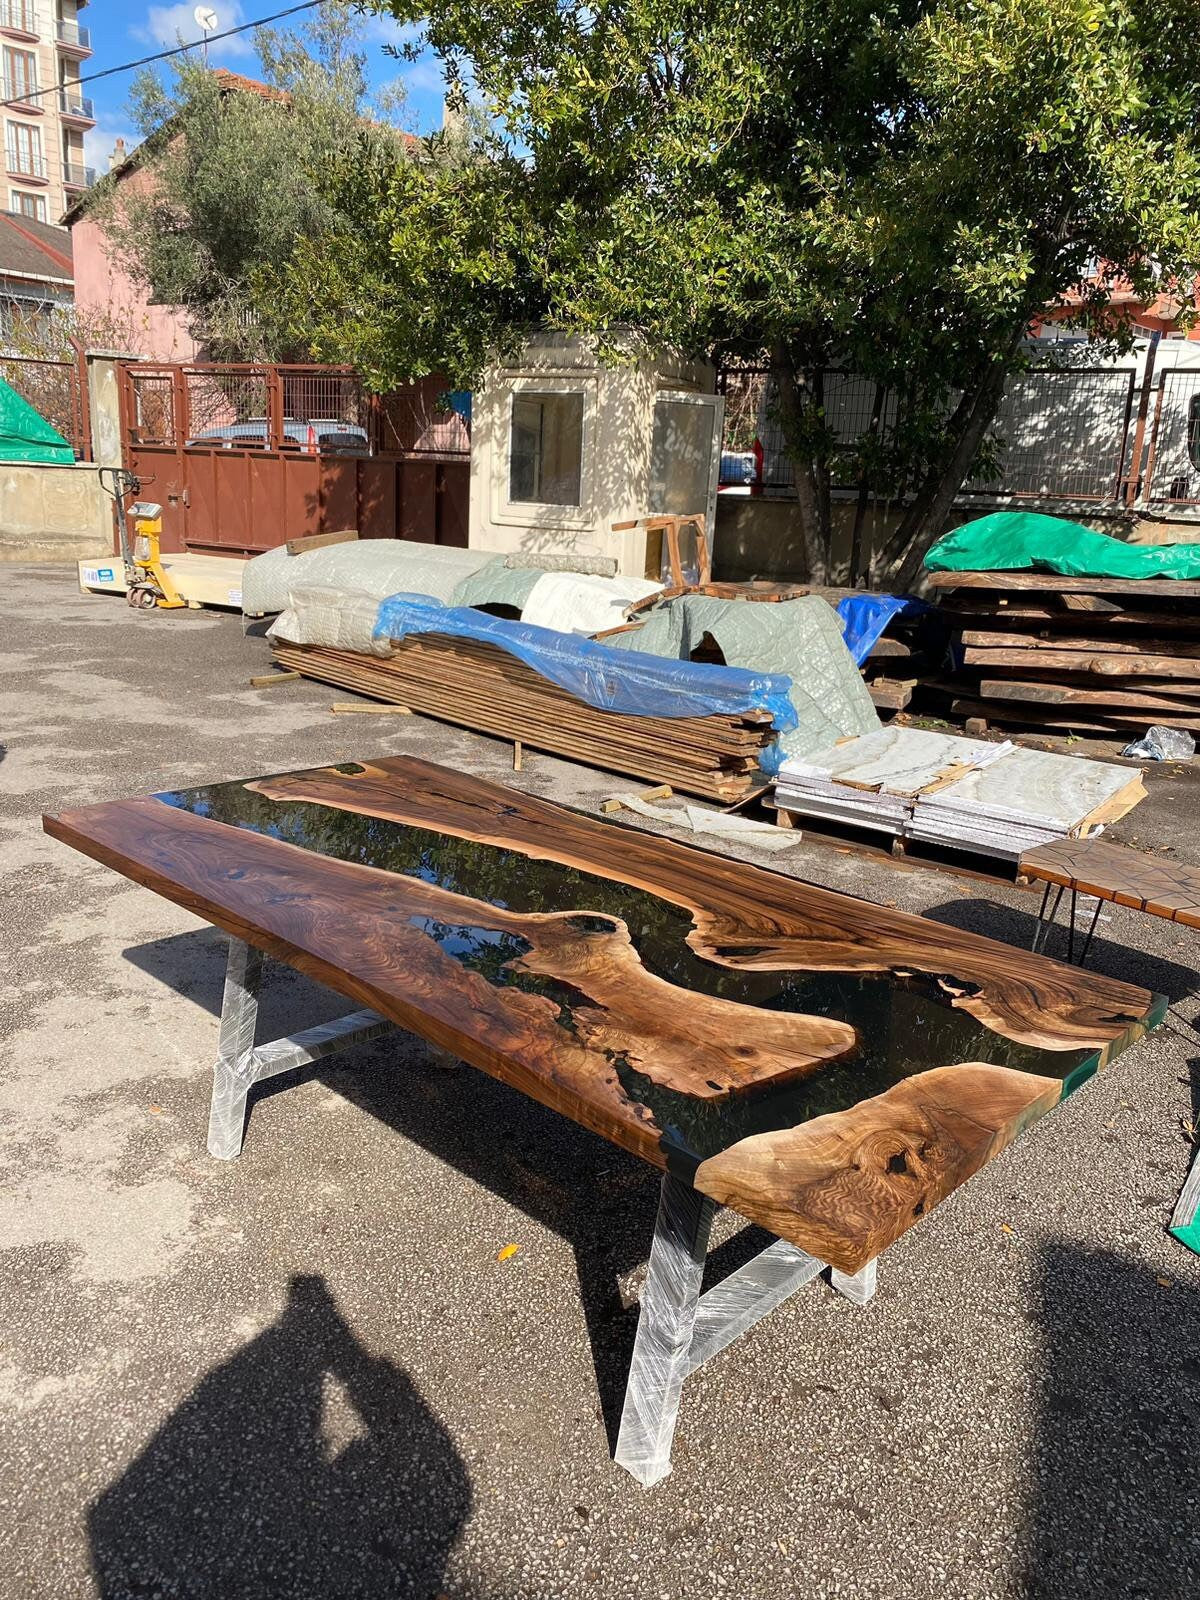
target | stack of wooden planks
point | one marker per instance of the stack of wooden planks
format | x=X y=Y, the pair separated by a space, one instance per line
x=478 y=686
x=1091 y=655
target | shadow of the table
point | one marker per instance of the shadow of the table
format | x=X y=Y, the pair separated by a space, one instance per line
x=594 y=1195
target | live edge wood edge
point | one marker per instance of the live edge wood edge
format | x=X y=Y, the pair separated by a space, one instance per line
x=840 y=1186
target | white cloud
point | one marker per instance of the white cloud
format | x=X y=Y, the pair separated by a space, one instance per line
x=168 y=25
x=424 y=77
x=386 y=30
x=98 y=142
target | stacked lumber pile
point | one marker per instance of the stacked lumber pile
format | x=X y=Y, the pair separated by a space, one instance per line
x=479 y=686
x=1094 y=655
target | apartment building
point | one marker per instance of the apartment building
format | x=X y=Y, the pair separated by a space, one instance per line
x=45 y=47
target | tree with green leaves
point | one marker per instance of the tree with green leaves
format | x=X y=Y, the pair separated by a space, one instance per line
x=889 y=187
x=233 y=179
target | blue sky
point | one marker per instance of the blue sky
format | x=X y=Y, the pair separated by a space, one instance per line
x=122 y=30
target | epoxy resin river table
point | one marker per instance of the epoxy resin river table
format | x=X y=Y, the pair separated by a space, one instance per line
x=828 y=1068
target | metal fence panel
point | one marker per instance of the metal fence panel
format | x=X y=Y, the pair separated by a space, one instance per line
x=56 y=391
x=1173 y=460
x=1061 y=433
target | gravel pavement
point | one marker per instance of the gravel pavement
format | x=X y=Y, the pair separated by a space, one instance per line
x=306 y=1374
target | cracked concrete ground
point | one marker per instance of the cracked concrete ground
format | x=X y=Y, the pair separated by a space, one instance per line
x=305 y=1373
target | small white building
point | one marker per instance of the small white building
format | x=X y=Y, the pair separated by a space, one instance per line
x=563 y=446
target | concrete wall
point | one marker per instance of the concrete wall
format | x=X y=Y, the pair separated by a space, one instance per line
x=617 y=422
x=50 y=513
x=760 y=538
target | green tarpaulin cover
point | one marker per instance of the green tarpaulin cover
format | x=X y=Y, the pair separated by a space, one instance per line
x=25 y=436
x=1016 y=541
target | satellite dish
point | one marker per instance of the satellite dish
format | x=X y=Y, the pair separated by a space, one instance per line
x=205 y=17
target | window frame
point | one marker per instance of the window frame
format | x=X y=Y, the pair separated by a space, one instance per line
x=38 y=202
x=13 y=52
x=37 y=150
x=542 y=513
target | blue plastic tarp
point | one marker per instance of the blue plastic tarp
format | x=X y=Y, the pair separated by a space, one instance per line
x=865 y=618
x=611 y=680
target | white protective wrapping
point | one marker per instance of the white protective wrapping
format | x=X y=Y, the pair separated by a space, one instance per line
x=377 y=567
x=573 y=602
x=334 y=618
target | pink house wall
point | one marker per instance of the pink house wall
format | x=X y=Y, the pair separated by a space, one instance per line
x=159 y=333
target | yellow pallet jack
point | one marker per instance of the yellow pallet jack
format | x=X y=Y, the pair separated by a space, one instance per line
x=148 y=582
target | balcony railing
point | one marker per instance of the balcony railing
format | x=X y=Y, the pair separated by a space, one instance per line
x=21 y=93
x=78 y=106
x=77 y=176
x=71 y=33
x=21 y=18
x=26 y=163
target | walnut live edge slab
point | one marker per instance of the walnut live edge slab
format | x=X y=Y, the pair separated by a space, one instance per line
x=718 y=1020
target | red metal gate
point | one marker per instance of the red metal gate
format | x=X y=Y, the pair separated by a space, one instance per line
x=244 y=457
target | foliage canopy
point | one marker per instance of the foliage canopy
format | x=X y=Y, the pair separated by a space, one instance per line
x=894 y=187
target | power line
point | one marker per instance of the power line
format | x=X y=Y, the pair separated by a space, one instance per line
x=162 y=55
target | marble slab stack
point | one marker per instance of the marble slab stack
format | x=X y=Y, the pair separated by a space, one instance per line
x=965 y=794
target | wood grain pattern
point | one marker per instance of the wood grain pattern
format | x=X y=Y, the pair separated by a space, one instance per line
x=1181 y=697
x=1135 y=588
x=477 y=685
x=840 y=1186
x=747 y=917
x=1113 y=872
x=860 y=1178
x=1003 y=638
x=1062 y=660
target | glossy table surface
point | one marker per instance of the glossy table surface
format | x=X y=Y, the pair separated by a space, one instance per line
x=828 y=1067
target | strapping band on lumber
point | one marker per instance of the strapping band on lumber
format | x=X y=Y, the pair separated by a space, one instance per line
x=478 y=686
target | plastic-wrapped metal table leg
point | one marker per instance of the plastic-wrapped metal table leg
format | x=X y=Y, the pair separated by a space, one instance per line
x=241 y=1064
x=233 y=1072
x=664 y=1334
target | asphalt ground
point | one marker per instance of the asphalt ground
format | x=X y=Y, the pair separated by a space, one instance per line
x=306 y=1374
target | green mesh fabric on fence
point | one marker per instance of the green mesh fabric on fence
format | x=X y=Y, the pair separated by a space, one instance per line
x=25 y=436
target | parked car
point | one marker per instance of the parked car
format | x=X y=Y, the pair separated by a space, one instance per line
x=314 y=435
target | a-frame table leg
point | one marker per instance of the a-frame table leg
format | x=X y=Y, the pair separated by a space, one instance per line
x=664 y=1334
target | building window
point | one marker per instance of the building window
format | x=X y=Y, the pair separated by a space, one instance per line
x=28 y=205
x=545 y=451
x=20 y=74
x=25 y=150
x=19 y=14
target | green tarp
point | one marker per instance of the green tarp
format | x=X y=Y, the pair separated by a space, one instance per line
x=24 y=436
x=1017 y=541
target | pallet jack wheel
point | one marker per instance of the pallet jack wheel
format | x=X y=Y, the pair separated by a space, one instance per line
x=142 y=598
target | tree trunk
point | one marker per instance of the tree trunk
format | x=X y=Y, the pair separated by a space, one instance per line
x=924 y=519
x=939 y=503
x=814 y=505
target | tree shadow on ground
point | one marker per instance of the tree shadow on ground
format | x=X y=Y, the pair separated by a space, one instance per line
x=595 y=1196
x=301 y=1466
x=1116 y=1452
